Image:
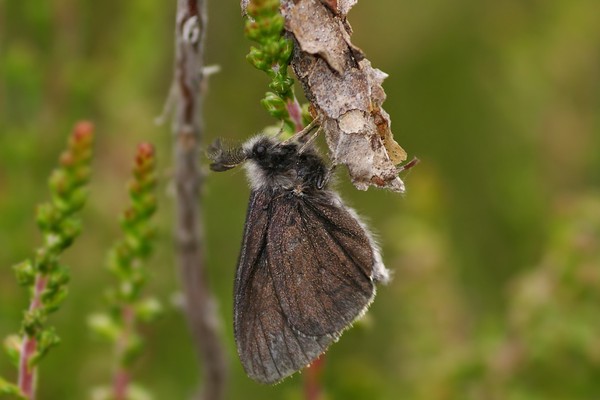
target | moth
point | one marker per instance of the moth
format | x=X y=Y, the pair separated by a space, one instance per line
x=308 y=264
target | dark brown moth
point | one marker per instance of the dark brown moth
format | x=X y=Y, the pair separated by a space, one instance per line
x=308 y=264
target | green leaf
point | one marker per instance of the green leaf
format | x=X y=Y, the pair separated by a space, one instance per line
x=258 y=58
x=47 y=217
x=45 y=260
x=134 y=347
x=25 y=273
x=275 y=105
x=104 y=326
x=10 y=389
x=12 y=346
x=138 y=392
x=52 y=299
x=148 y=309
x=102 y=393
x=46 y=340
x=33 y=321
x=60 y=277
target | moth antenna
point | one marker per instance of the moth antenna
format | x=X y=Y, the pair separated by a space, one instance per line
x=224 y=156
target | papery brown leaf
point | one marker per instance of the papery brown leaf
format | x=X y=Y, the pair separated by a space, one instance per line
x=345 y=90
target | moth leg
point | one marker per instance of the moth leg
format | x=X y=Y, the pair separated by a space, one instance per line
x=310 y=140
x=408 y=165
x=281 y=130
x=299 y=135
x=323 y=180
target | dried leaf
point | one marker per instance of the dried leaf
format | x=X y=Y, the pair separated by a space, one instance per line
x=345 y=91
x=345 y=5
x=327 y=41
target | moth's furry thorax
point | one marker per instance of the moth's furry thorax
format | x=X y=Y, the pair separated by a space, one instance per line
x=279 y=165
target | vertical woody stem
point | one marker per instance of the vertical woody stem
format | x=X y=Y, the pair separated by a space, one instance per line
x=200 y=305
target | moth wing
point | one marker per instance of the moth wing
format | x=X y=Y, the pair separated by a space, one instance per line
x=255 y=237
x=269 y=348
x=321 y=261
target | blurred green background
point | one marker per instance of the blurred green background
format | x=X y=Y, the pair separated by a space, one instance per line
x=495 y=248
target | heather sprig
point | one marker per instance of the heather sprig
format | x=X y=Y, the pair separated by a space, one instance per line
x=44 y=275
x=127 y=307
x=272 y=53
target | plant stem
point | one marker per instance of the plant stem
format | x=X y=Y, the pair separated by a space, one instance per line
x=312 y=384
x=120 y=383
x=295 y=113
x=200 y=306
x=122 y=377
x=29 y=347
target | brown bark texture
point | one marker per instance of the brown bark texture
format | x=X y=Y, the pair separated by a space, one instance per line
x=200 y=305
x=344 y=90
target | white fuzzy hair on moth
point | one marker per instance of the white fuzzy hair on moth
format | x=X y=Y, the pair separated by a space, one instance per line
x=380 y=272
x=258 y=177
x=255 y=174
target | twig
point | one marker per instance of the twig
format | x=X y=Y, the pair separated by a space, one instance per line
x=295 y=112
x=200 y=305
x=126 y=303
x=313 y=389
x=122 y=377
x=29 y=348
